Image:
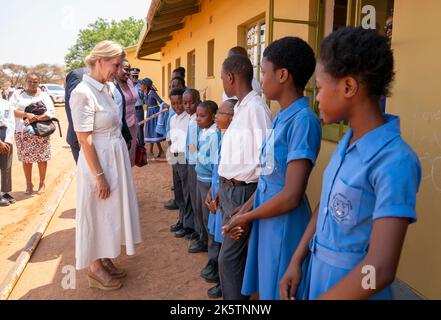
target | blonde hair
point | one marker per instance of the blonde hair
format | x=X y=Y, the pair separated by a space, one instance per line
x=105 y=49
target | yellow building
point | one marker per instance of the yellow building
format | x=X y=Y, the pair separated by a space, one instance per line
x=149 y=66
x=197 y=35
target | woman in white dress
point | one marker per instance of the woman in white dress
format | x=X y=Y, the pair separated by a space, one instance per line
x=30 y=147
x=107 y=213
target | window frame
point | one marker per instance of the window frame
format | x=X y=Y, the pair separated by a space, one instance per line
x=191 y=69
x=210 y=58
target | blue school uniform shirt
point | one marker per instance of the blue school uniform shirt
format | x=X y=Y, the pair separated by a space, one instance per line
x=215 y=219
x=171 y=113
x=191 y=142
x=296 y=134
x=207 y=153
x=377 y=176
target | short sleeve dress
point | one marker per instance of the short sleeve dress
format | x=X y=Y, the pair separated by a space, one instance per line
x=102 y=226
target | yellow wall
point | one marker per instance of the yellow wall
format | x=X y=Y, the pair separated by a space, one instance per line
x=151 y=69
x=416 y=100
x=224 y=28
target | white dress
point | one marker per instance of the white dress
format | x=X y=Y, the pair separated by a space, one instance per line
x=102 y=226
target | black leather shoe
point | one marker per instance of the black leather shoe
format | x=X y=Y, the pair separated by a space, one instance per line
x=9 y=198
x=4 y=202
x=196 y=247
x=209 y=268
x=212 y=277
x=215 y=292
x=171 y=205
x=176 y=227
x=184 y=231
x=192 y=236
x=194 y=242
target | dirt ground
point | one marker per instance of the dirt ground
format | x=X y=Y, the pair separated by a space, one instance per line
x=19 y=221
x=161 y=268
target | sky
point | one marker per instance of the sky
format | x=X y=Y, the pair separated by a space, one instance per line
x=41 y=31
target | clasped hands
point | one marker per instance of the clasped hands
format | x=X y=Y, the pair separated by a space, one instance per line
x=237 y=225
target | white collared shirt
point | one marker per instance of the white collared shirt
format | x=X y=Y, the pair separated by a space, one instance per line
x=242 y=141
x=207 y=131
x=178 y=132
x=7 y=120
x=20 y=100
x=92 y=102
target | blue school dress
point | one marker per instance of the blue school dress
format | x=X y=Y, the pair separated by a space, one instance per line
x=153 y=101
x=296 y=134
x=377 y=176
x=161 y=125
x=215 y=219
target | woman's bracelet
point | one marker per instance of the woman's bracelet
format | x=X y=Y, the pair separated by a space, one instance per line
x=100 y=174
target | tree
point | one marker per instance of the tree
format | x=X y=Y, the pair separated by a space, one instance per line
x=14 y=74
x=49 y=73
x=125 y=32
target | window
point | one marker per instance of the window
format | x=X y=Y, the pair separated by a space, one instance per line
x=191 y=67
x=255 y=44
x=210 y=58
x=178 y=63
x=163 y=81
x=169 y=72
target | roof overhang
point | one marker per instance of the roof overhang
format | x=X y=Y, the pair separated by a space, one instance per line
x=163 y=18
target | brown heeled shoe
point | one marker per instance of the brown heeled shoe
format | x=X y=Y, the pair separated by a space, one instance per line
x=95 y=282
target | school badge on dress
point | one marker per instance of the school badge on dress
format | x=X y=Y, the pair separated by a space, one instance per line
x=340 y=207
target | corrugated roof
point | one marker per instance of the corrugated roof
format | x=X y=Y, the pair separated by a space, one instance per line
x=164 y=17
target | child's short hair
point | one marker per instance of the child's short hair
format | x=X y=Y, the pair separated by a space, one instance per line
x=181 y=80
x=177 y=92
x=362 y=53
x=209 y=105
x=295 y=55
x=232 y=102
x=238 y=50
x=181 y=71
x=193 y=92
x=237 y=64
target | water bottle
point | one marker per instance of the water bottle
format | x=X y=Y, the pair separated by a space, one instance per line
x=31 y=130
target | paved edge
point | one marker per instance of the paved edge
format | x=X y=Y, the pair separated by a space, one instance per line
x=16 y=271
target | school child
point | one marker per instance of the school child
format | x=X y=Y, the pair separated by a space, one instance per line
x=369 y=187
x=240 y=152
x=207 y=155
x=176 y=82
x=191 y=100
x=153 y=101
x=223 y=118
x=281 y=208
x=178 y=132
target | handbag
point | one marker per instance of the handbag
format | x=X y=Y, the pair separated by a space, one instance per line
x=42 y=128
x=46 y=127
x=140 y=156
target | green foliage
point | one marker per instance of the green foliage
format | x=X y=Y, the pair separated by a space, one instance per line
x=125 y=32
